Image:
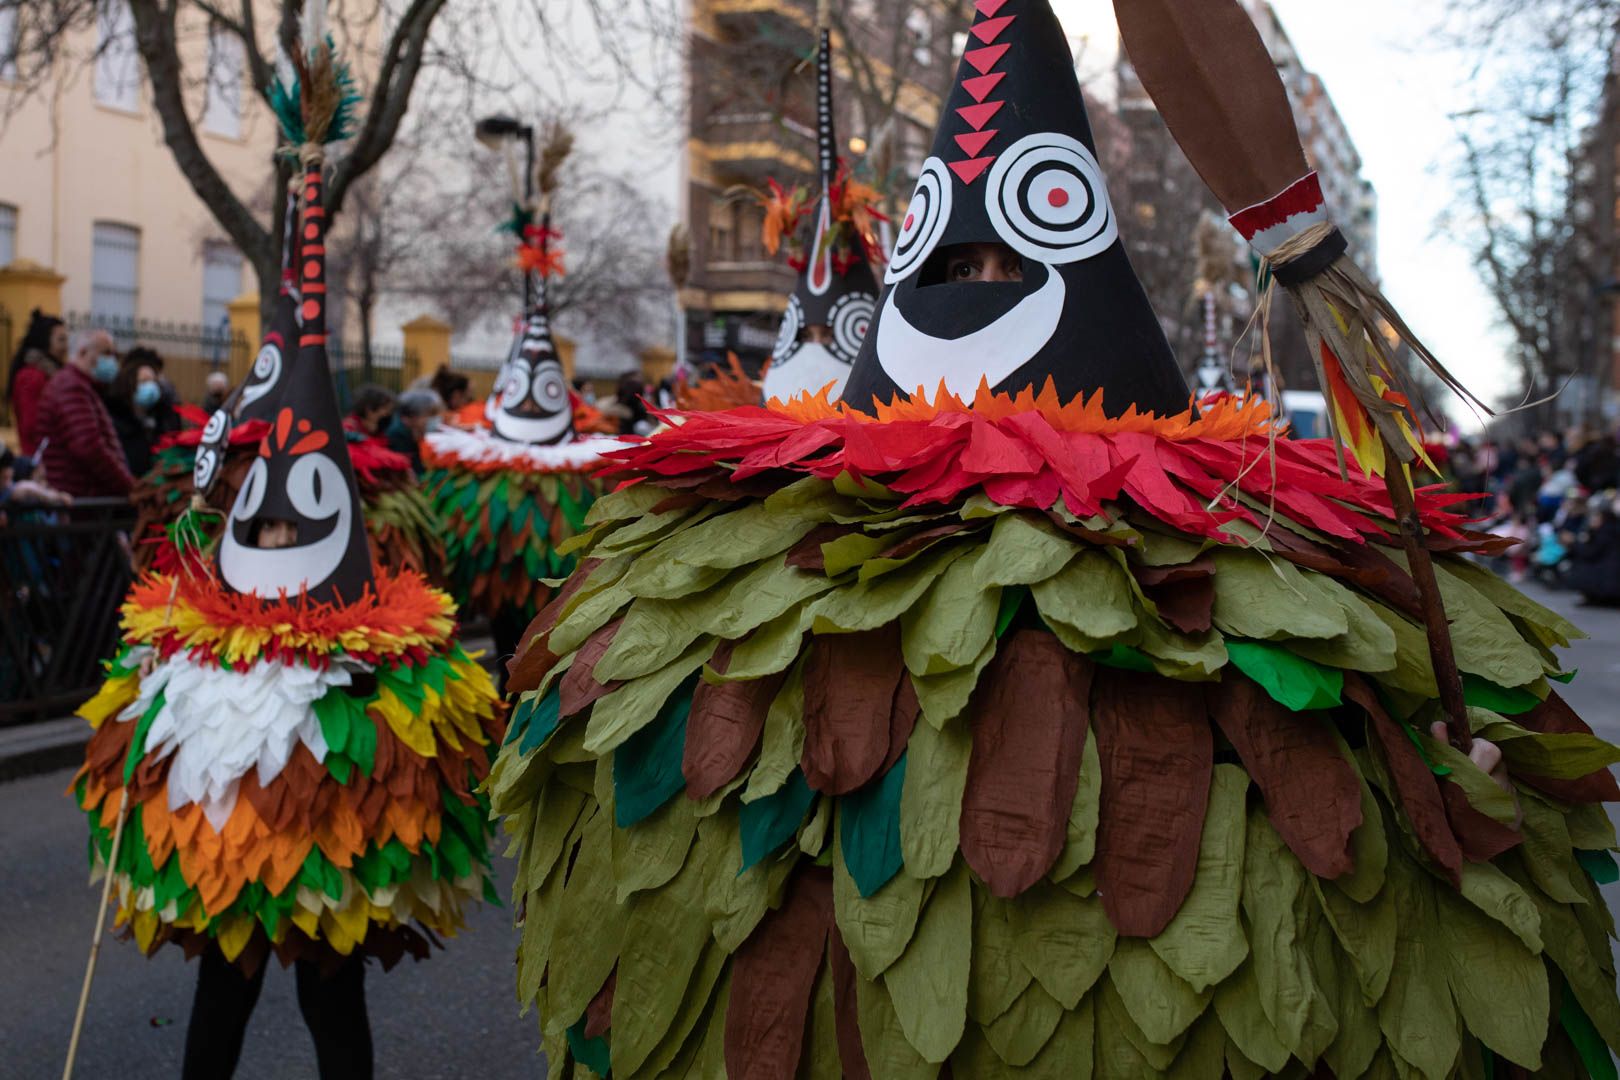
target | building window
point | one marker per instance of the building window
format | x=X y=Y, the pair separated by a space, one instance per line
x=8 y=42
x=8 y=234
x=222 y=282
x=222 y=107
x=920 y=31
x=114 y=271
x=118 y=65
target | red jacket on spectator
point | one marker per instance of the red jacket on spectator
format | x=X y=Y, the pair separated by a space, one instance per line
x=25 y=395
x=82 y=453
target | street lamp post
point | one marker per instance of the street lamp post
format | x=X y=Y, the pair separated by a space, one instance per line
x=494 y=132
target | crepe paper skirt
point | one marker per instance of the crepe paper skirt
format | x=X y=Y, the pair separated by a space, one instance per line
x=1034 y=756
x=301 y=779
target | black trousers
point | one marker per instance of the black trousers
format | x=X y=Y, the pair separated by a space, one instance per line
x=334 y=1007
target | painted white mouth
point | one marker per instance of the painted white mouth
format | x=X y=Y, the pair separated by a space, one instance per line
x=532 y=429
x=913 y=358
x=811 y=367
x=267 y=571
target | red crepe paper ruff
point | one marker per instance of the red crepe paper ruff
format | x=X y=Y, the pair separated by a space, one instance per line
x=1312 y=794
x=1032 y=450
x=1157 y=755
x=1415 y=786
x=1029 y=730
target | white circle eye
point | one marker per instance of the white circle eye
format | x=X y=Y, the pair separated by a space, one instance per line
x=550 y=392
x=204 y=468
x=1046 y=197
x=923 y=223
x=218 y=424
x=251 y=496
x=787 y=337
x=851 y=318
x=315 y=486
x=265 y=374
x=515 y=385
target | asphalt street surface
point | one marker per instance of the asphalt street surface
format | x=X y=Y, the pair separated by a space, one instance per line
x=450 y=1017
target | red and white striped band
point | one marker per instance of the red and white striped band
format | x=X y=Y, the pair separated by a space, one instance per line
x=1268 y=225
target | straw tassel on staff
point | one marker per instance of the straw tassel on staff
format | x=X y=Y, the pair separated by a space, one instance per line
x=1210 y=75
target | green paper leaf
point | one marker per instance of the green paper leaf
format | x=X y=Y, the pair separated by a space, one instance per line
x=1294 y=682
x=1416 y=1012
x=647 y=765
x=1548 y=851
x=931 y=797
x=1064 y=940
x=1272 y=880
x=648 y=855
x=1023 y=549
x=770 y=822
x=1500 y=986
x=928 y=983
x=1024 y=1029
x=1589 y=1044
x=944 y=696
x=782 y=741
x=1160 y=1003
x=888 y=1054
x=617 y=716
x=591 y=1053
x=1080 y=836
x=1091 y=595
x=949 y=628
x=1269 y=599
x=1204 y=943
x=869 y=828
x=875 y=928
x=1368 y=645
x=543 y=718
x=868 y=605
x=1504 y=700
x=137 y=741
x=1237 y=1003
x=1565 y=756
x=1599 y=866
x=588 y=931
x=999 y=977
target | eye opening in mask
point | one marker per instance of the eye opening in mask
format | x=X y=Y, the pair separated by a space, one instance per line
x=973 y=262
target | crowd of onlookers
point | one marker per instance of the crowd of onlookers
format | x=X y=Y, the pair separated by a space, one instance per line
x=1555 y=492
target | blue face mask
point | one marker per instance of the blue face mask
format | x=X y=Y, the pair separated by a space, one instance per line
x=147 y=394
x=106 y=369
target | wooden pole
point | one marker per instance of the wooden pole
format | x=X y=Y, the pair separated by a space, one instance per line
x=95 y=942
x=1435 y=623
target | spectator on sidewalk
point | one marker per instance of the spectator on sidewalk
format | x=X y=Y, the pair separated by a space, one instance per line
x=1594 y=558
x=453 y=388
x=81 y=454
x=1597 y=466
x=414 y=413
x=216 y=388
x=40 y=355
x=140 y=408
x=369 y=415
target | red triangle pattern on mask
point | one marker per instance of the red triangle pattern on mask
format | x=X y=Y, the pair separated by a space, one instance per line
x=988 y=8
x=981 y=85
x=987 y=29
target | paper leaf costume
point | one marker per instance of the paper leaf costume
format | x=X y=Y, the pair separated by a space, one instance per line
x=299 y=736
x=511 y=493
x=1039 y=734
x=836 y=288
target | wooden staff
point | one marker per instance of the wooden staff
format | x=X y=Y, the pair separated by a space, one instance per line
x=1214 y=83
x=95 y=941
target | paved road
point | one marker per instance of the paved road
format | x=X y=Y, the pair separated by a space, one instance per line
x=430 y=1020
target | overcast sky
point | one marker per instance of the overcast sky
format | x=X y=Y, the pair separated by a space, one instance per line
x=1394 y=95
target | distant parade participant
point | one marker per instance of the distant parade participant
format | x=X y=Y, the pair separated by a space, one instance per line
x=1011 y=718
x=289 y=743
x=222 y=446
x=510 y=494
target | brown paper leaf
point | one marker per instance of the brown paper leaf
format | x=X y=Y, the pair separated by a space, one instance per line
x=1414 y=783
x=723 y=729
x=1029 y=719
x=850 y=683
x=533 y=659
x=806 y=554
x=1481 y=837
x=1555 y=717
x=599 y=1013
x=1157 y=753
x=579 y=688
x=1359 y=564
x=1311 y=791
x=1184 y=595
x=773 y=976
x=850 y=1052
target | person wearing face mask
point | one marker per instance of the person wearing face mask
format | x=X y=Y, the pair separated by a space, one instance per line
x=140 y=408
x=82 y=455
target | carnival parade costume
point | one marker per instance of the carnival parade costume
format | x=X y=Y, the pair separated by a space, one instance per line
x=510 y=494
x=291 y=740
x=1177 y=807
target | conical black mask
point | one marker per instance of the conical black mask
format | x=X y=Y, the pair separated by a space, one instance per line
x=1014 y=163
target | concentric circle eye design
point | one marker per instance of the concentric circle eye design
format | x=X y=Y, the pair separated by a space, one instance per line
x=315 y=486
x=787 y=338
x=1047 y=199
x=550 y=392
x=265 y=374
x=218 y=424
x=251 y=497
x=923 y=223
x=515 y=385
x=204 y=469
x=851 y=317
